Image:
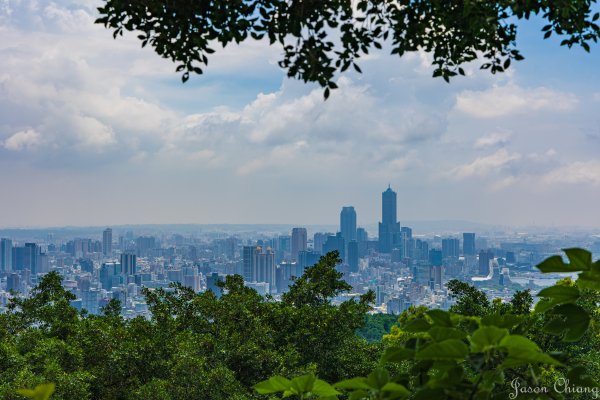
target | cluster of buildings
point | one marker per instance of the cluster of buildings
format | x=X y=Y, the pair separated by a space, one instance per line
x=402 y=268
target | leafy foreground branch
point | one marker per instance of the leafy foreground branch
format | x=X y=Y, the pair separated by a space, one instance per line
x=321 y=39
x=484 y=353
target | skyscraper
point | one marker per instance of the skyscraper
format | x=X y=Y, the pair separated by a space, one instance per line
x=353 y=255
x=264 y=267
x=248 y=255
x=5 y=255
x=335 y=243
x=107 y=242
x=348 y=223
x=31 y=258
x=450 y=248
x=469 y=244
x=319 y=240
x=485 y=256
x=299 y=240
x=259 y=265
x=128 y=264
x=389 y=227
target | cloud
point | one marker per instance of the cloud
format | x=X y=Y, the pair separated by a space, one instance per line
x=579 y=172
x=497 y=139
x=23 y=140
x=482 y=166
x=499 y=101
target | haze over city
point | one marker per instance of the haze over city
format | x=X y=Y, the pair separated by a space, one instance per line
x=100 y=132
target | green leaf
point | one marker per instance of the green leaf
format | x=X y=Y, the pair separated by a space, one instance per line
x=572 y=321
x=522 y=351
x=40 y=392
x=396 y=388
x=486 y=337
x=579 y=258
x=378 y=378
x=323 y=389
x=416 y=325
x=353 y=384
x=439 y=333
x=273 y=385
x=501 y=321
x=589 y=280
x=440 y=317
x=580 y=376
x=429 y=394
x=557 y=294
x=303 y=383
x=450 y=349
x=358 y=395
x=397 y=354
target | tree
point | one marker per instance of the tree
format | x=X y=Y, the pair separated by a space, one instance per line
x=484 y=352
x=323 y=38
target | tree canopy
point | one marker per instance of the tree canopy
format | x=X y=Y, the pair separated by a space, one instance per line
x=322 y=38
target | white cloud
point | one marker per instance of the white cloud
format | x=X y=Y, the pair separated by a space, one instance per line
x=23 y=140
x=497 y=139
x=579 y=172
x=499 y=101
x=482 y=166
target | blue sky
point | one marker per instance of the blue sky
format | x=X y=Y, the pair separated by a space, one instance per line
x=95 y=131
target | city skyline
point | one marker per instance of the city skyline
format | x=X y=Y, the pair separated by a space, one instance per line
x=100 y=132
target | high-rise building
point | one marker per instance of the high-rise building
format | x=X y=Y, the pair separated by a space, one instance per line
x=421 y=250
x=353 y=255
x=248 y=256
x=468 y=244
x=361 y=235
x=348 y=223
x=18 y=258
x=435 y=276
x=335 y=243
x=33 y=259
x=264 y=267
x=485 y=256
x=107 y=242
x=5 y=255
x=435 y=257
x=259 y=265
x=145 y=245
x=13 y=282
x=319 y=240
x=87 y=265
x=129 y=264
x=299 y=241
x=450 y=248
x=306 y=259
x=389 y=227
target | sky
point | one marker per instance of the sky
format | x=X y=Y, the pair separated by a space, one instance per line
x=96 y=131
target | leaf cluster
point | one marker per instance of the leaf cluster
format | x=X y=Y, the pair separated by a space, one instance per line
x=322 y=38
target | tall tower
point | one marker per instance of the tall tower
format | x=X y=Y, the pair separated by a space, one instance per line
x=299 y=239
x=348 y=223
x=107 y=242
x=389 y=227
x=5 y=255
